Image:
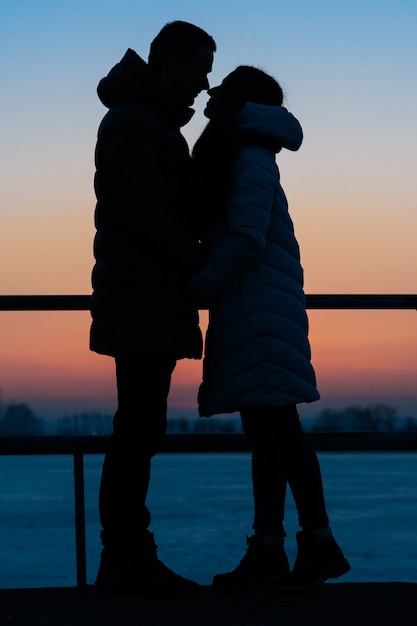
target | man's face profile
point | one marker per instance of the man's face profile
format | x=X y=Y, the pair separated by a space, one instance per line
x=189 y=77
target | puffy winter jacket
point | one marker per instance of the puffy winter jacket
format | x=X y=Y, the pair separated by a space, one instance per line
x=144 y=247
x=257 y=351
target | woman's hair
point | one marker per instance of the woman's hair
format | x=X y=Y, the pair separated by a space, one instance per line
x=215 y=150
x=247 y=84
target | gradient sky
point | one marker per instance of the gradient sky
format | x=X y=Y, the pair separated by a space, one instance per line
x=348 y=70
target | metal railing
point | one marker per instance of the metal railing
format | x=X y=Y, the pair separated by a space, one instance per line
x=328 y=301
x=78 y=446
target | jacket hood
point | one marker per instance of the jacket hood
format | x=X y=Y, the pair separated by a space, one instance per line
x=131 y=79
x=280 y=128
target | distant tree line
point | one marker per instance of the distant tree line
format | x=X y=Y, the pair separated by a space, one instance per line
x=18 y=420
x=379 y=417
x=184 y=426
x=85 y=424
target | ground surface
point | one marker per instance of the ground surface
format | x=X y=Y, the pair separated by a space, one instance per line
x=351 y=604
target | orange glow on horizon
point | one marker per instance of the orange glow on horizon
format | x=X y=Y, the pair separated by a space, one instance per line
x=356 y=354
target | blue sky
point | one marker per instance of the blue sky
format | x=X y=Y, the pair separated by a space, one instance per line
x=348 y=72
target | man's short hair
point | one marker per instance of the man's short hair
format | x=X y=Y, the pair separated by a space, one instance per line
x=181 y=38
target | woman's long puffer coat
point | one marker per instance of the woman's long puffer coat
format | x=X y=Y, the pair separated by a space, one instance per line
x=257 y=351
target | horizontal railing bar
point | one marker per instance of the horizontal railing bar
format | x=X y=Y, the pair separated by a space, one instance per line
x=325 y=301
x=362 y=301
x=45 y=303
x=210 y=442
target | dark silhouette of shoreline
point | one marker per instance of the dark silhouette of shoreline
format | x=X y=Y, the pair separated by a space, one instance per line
x=18 y=420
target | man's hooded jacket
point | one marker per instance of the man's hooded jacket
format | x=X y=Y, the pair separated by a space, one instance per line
x=145 y=249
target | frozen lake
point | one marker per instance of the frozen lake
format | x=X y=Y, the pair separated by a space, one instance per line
x=202 y=509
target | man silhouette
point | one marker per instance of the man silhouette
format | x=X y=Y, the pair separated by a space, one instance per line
x=143 y=316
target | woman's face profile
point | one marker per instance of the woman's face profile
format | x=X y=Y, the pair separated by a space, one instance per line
x=228 y=97
x=212 y=105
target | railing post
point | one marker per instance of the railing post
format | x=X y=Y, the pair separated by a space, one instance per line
x=80 y=544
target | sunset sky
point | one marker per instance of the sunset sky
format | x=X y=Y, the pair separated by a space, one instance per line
x=348 y=70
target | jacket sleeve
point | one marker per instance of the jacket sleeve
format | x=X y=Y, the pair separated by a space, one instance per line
x=255 y=181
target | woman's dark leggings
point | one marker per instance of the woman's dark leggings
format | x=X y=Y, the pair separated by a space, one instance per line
x=281 y=455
